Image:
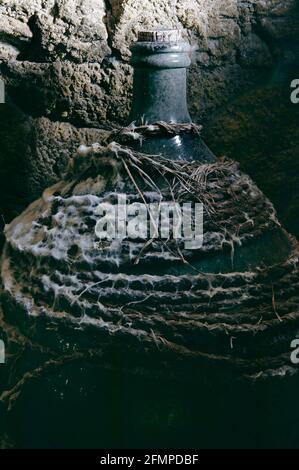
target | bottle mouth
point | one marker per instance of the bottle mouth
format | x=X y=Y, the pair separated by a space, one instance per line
x=161 y=35
x=160 y=41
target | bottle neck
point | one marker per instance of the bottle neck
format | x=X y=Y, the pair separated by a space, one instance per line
x=160 y=91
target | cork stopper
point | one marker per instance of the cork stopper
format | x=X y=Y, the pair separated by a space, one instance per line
x=160 y=35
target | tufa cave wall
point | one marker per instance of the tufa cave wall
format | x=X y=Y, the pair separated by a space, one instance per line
x=66 y=67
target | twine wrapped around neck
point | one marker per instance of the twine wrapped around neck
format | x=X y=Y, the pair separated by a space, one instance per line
x=130 y=133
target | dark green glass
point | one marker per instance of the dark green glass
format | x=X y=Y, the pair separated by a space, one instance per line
x=160 y=70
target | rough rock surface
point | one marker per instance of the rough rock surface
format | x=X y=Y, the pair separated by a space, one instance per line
x=66 y=68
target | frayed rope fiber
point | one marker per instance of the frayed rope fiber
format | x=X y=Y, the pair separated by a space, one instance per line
x=156 y=306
